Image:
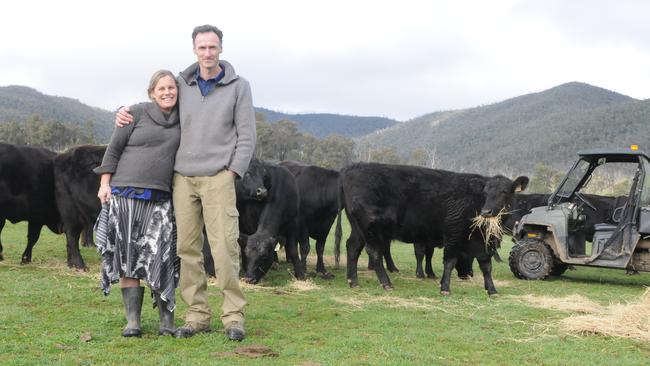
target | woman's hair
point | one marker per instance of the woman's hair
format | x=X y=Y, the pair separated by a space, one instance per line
x=155 y=78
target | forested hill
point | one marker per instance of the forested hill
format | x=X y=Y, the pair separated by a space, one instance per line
x=514 y=135
x=323 y=124
x=18 y=103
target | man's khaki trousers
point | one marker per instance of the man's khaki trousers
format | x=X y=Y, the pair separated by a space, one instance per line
x=210 y=200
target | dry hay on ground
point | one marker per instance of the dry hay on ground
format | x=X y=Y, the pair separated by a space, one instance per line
x=58 y=268
x=360 y=301
x=293 y=286
x=212 y=282
x=631 y=320
x=306 y=285
x=572 y=303
x=477 y=280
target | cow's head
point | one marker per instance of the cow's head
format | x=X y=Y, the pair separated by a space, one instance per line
x=256 y=182
x=499 y=193
x=260 y=254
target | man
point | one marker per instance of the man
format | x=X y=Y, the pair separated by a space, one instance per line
x=217 y=142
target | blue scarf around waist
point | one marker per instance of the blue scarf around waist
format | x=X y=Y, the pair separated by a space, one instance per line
x=147 y=194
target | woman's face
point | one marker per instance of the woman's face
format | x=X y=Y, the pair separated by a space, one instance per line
x=165 y=93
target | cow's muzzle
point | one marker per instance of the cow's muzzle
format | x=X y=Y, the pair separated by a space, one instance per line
x=487 y=212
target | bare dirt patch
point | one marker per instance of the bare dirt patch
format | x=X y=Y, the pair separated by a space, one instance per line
x=256 y=351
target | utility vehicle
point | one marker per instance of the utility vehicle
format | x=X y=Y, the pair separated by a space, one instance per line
x=549 y=239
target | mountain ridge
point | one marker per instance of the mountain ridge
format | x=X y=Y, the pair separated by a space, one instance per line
x=548 y=127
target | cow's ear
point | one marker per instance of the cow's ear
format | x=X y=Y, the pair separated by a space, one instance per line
x=520 y=183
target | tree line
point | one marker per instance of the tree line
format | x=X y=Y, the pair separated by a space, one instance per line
x=52 y=135
x=282 y=140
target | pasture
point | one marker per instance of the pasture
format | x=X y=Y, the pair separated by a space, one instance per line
x=50 y=314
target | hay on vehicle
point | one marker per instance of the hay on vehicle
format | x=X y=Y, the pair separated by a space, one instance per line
x=489 y=227
x=618 y=320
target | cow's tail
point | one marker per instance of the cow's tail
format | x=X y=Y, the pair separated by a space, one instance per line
x=338 y=233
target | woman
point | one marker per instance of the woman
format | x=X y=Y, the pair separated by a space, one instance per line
x=136 y=232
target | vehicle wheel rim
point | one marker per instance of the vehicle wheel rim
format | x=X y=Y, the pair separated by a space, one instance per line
x=532 y=261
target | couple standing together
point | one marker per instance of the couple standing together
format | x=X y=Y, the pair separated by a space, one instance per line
x=167 y=172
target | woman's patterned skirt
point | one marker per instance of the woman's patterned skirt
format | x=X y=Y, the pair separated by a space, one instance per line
x=137 y=239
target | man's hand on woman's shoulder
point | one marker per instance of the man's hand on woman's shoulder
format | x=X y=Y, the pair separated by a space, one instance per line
x=123 y=117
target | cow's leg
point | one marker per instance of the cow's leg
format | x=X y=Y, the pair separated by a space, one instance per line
x=303 y=240
x=420 y=253
x=2 y=225
x=485 y=263
x=276 y=257
x=449 y=262
x=388 y=257
x=320 y=264
x=428 y=269
x=88 y=240
x=208 y=260
x=74 y=256
x=371 y=265
x=390 y=264
x=33 y=233
x=242 y=240
x=354 y=245
x=291 y=248
x=276 y=260
x=375 y=256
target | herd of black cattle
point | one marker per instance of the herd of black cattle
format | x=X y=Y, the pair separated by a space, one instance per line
x=290 y=202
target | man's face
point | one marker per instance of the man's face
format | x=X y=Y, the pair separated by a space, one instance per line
x=207 y=49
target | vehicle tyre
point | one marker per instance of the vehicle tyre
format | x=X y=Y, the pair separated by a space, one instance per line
x=531 y=259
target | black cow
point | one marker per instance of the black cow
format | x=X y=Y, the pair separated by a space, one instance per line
x=267 y=218
x=424 y=251
x=319 y=191
x=27 y=192
x=521 y=205
x=76 y=188
x=601 y=209
x=268 y=202
x=418 y=205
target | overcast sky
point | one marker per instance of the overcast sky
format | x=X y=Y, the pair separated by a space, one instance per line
x=398 y=59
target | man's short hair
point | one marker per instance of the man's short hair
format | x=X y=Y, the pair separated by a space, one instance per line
x=205 y=29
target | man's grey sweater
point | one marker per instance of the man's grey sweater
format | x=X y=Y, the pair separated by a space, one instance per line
x=142 y=153
x=218 y=130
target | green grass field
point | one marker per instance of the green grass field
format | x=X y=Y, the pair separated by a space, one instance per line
x=48 y=312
